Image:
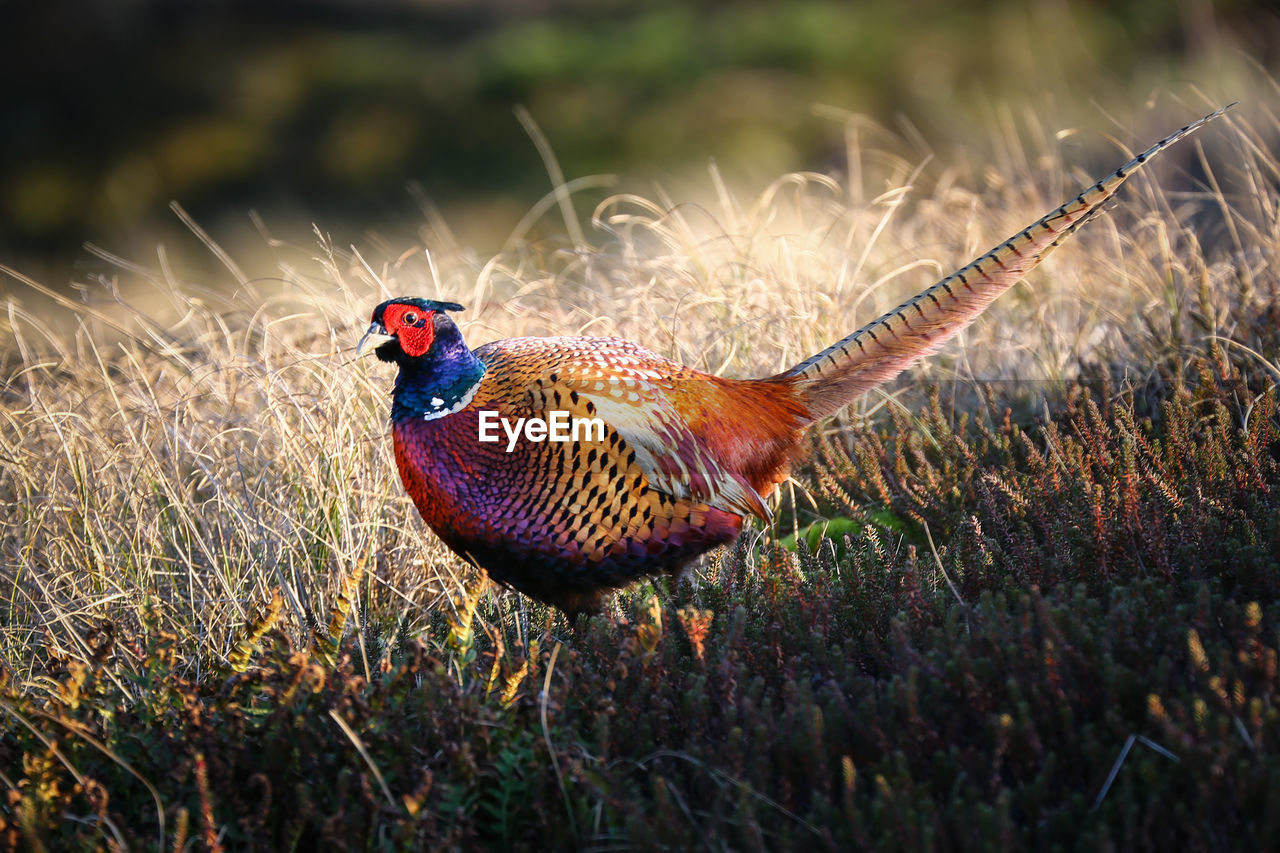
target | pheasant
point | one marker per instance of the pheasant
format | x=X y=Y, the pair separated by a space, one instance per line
x=671 y=460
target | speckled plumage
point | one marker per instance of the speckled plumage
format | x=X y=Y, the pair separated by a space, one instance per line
x=675 y=474
x=685 y=456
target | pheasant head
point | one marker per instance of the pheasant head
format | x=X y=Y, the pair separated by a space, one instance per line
x=438 y=373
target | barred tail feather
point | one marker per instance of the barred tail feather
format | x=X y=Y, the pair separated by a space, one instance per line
x=877 y=352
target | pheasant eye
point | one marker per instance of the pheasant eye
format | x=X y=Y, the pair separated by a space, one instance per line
x=410 y=318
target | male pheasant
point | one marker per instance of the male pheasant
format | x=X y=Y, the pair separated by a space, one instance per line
x=682 y=457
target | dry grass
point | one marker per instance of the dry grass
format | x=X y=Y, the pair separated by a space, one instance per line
x=165 y=444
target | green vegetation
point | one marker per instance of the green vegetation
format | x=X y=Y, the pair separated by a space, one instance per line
x=1049 y=616
x=325 y=112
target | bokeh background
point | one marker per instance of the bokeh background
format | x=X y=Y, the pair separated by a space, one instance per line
x=362 y=115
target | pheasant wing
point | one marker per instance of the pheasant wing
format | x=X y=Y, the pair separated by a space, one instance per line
x=638 y=395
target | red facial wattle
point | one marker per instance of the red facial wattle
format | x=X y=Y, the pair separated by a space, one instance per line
x=412 y=326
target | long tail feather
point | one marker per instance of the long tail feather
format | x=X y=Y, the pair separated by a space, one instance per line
x=882 y=349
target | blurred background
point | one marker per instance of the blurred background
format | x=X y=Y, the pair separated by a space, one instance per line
x=364 y=116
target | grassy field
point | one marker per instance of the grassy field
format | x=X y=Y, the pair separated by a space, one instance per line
x=1044 y=610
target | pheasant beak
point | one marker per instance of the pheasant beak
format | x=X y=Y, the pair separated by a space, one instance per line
x=372 y=339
